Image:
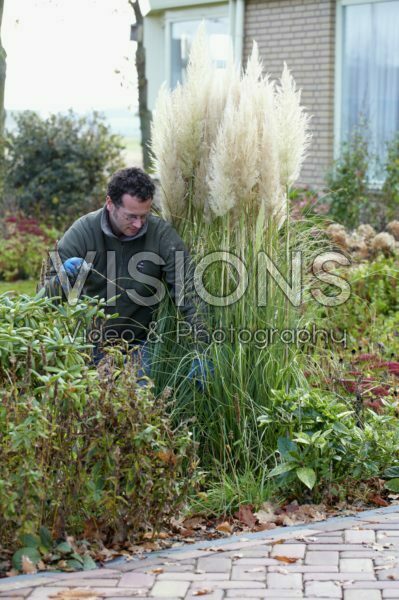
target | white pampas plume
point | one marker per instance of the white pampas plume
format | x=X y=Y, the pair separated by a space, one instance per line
x=223 y=85
x=191 y=109
x=178 y=130
x=271 y=193
x=233 y=170
x=292 y=123
x=222 y=165
x=166 y=160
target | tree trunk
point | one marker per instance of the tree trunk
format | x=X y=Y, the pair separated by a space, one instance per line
x=2 y=111
x=2 y=75
x=144 y=113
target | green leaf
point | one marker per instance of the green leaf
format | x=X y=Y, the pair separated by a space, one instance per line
x=307 y=476
x=30 y=552
x=74 y=565
x=29 y=541
x=88 y=563
x=64 y=548
x=302 y=438
x=391 y=472
x=393 y=485
x=46 y=538
x=77 y=557
x=283 y=468
x=285 y=446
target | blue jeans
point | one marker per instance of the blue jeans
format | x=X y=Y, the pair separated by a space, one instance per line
x=141 y=356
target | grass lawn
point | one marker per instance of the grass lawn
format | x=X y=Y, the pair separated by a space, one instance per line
x=27 y=286
x=133 y=153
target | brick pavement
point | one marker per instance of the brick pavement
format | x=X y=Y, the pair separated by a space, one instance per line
x=347 y=558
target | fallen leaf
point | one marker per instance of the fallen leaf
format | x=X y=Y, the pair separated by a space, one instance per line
x=76 y=595
x=286 y=559
x=225 y=527
x=187 y=532
x=156 y=571
x=265 y=516
x=288 y=521
x=202 y=592
x=12 y=573
x=28 y=568
x=151 y=546
x=291 y=507
x=194 y=523
x=245 y=515
x=265 y=526
x=376 y=499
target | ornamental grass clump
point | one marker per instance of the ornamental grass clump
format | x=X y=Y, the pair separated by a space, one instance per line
x=221 y=141
x=249 y=139
x=80 y=447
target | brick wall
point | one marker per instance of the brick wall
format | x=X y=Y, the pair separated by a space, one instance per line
x=300 y=32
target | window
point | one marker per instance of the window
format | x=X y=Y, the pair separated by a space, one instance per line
x=182 y=35
x=181 y=28
x=368 y=70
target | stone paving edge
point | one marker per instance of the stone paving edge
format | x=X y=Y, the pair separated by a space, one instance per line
x=331 y=524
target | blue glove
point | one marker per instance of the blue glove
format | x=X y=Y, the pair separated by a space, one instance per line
x=200 y=371
x=72 y=267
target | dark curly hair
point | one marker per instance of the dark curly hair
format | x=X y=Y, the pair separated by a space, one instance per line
x=132 y=181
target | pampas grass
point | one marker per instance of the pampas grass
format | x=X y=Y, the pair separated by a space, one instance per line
x=227 y=146
x=223 y=140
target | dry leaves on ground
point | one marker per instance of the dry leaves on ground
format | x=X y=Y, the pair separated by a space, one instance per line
x=286 y=559
x=77 y=594
x=225 y=527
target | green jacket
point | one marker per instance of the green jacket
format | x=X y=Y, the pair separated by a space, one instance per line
x=110 y=274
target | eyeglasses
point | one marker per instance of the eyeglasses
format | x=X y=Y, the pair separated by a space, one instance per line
x=131 y=218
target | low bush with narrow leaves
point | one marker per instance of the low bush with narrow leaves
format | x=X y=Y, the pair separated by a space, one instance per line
x=80 y=445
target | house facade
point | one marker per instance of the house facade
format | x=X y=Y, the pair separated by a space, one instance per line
x=343 y=54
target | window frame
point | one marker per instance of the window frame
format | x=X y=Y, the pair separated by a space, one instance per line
x=189 y=14
x=339 y=68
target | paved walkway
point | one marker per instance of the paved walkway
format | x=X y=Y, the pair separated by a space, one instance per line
x=353 y=558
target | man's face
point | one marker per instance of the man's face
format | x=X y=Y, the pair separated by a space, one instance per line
x=130 y=217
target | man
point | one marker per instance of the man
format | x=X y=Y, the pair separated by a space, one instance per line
x=131 y=253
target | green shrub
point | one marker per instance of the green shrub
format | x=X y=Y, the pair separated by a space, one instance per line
x=353 y=197
x=374 y=295
x=324 y=441
x=60 y=165
x=347 y=181
x=23 y=246
x=391 y=184
x=77 y=444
